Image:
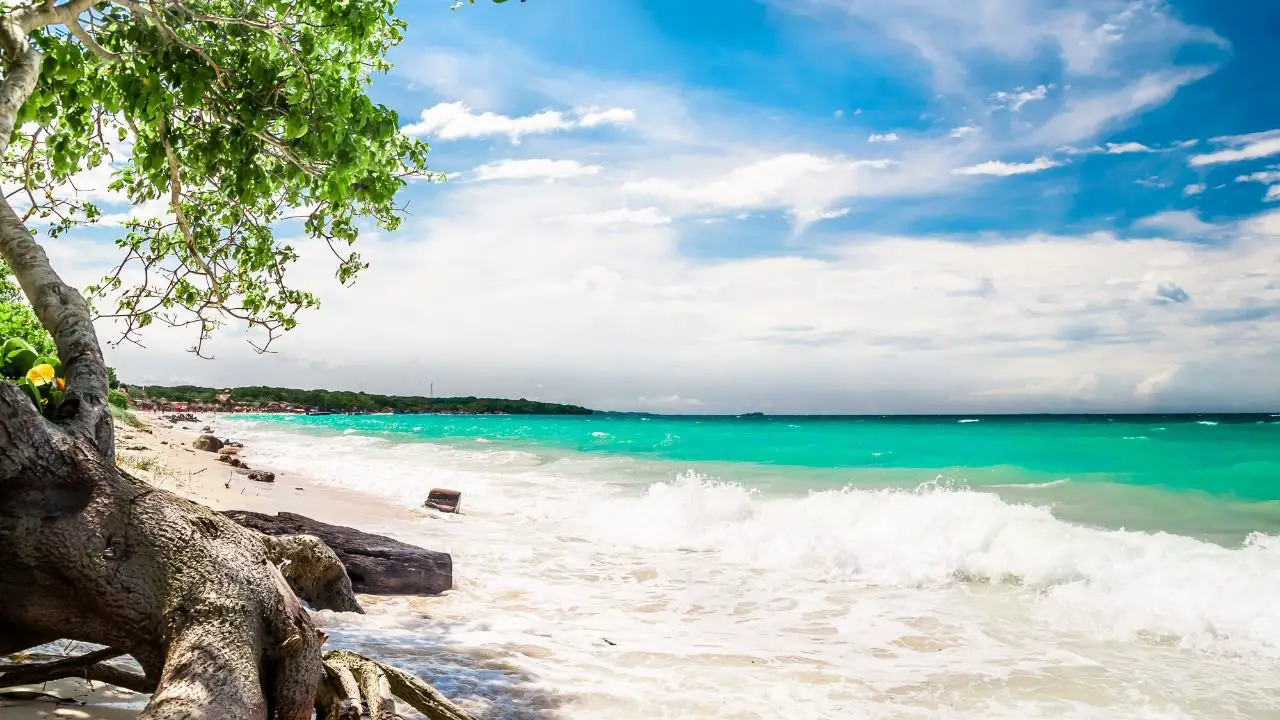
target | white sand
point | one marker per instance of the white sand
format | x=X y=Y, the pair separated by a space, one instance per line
x=171 y=464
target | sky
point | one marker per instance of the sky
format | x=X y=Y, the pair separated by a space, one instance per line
x=808 y=206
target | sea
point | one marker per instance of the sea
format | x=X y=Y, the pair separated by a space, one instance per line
x=626 y=566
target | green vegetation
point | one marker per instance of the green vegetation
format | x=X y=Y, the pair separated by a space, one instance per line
x=343 y=401
x=17 y=320
x=39 y=376
x=125 y=416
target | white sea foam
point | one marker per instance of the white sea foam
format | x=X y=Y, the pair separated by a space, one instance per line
x=1206 y=422
x=970 y=420
x=718 y=601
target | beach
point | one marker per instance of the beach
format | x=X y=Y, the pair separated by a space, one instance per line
x=640 y=567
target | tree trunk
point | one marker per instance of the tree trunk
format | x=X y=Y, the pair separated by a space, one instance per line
x=91 y=553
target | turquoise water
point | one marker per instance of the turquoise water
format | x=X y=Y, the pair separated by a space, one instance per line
x=983 y=567
x=1210 y=476
x=1223 y=455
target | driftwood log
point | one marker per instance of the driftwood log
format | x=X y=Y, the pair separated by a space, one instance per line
x=377 y=565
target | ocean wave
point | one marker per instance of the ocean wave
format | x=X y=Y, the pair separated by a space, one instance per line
x=1114 y=584
x=969 y=420
x=1119 y=584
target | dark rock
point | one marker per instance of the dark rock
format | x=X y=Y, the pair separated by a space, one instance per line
x=208 y=443
x=232 y=443
x=446 y=501
x=262 y=476
x=377 y=565
x=233 y=461
x=181 y=418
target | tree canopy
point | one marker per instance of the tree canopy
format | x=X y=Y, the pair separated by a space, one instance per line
x=222 y=120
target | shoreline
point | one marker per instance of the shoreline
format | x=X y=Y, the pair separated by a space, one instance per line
x=162 y=454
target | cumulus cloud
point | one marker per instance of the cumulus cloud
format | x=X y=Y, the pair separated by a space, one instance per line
x=963 y=131
x=456 y=121
x=997 y=167
x=1237 y=148
x=883 y=138
x=612 y=116
x=1194 y=189
x=803 y=184
x=550 y=170
x=1015 y=99
x=1179 y=222
x=1126 y=148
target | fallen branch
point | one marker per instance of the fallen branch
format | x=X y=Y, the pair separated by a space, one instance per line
x=351 y=679
x=91 y=666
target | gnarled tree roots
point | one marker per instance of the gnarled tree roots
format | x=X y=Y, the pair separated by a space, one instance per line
x=353 y=686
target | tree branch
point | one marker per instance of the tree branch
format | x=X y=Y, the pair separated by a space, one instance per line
x=87 y=40
x=175 y=203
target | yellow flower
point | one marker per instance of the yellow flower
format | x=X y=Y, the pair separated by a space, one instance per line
x=41 y=375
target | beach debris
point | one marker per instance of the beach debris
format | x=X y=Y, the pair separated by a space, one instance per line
x=208 y=443
x=262 y=476
x=609 y=642
x=377 y=565
x=446 y=501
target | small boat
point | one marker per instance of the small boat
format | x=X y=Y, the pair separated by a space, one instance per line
x=314 y=411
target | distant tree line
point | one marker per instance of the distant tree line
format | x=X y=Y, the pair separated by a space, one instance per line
x=346 y=401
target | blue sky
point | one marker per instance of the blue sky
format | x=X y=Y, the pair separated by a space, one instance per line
x=816 y=206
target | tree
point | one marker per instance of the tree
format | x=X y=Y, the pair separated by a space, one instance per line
x=237 y=116
x=16 y=317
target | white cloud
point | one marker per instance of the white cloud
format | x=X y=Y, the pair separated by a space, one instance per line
x=839 y=113
x=547 y=169
x=1240 y=147
x=807 y=217
x=1092 y=39
x=883 y=138
x=996 y=167
x=1262 y=176
x=963 y=131
x=613 y=116
x=803 y=184
x=622 y=216
x=1126 y=148
x=456 y=121
x=1016 y=322
x=1193 y=189
x=1182 y=223
x=1086 y=113
x=1151 y=385
x=1273 y=194
x=1018 y=97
